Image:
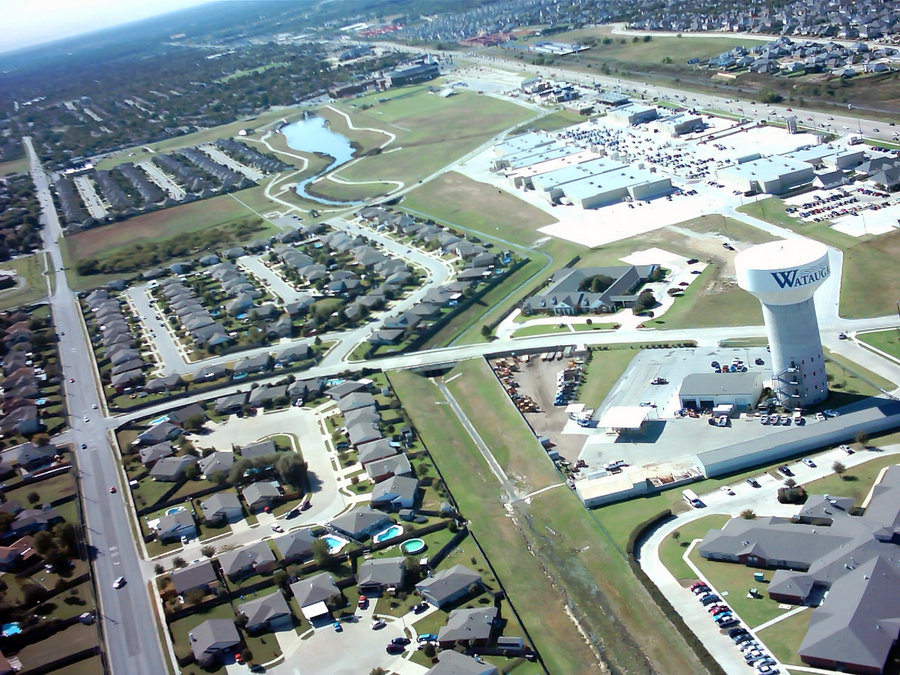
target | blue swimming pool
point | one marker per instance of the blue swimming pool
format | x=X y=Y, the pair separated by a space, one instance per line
x=392 y=532
x=159 y=420
x=335 y=544
x=8 y=629
x=174 y=509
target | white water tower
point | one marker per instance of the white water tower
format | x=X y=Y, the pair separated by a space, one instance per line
x=784 y=275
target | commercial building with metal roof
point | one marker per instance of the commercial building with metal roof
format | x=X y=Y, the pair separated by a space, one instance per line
x=769 y=175
x=704 y=391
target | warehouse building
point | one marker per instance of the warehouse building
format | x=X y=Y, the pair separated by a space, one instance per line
x=412 y=74
x=522 y=176
x=628 y=183
x=551 y=181
x=796 y=440
x=680 y=124
x=631 y=114
x=705 y=391
x=767 y=175
x=828 y=156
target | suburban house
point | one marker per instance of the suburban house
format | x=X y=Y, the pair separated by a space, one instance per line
x=261 y=449
x=355 y=401
x=450 y=585
x=230 y=405
x=375 y=450
x=825 y=548
x=253 y=559
x=213 y=638
x=376 y=575
x=222 y=507
x=570 y=290
x=158 y=433
x=361 y=433
x=315 y=589
x=216 y=462
x=182 y=415
x=451 y=662
x=397 y=492
x=469 y=627
x=150 y=454
x=29 y=521
x=337 y=392
x=200 y=575
x=398 y=465
x=176 y=525
x=30 y=456
x=261 y=495
x=270 y=612
x=359 y=523
x=295 y=546
x=171 y=469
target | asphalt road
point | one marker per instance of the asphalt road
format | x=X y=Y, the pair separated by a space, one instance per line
x=128 y=619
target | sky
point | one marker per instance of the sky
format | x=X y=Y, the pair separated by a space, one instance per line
x=29 y=22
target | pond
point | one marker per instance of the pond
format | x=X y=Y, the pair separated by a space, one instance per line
x=313 y=134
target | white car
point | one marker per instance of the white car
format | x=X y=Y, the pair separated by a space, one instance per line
x=820 y=417
x=847 y=449
x=118 y=583
x=808 y=462
x=727 y=490
x=277 y=528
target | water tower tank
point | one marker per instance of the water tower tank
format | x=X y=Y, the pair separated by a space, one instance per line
x=784 y=275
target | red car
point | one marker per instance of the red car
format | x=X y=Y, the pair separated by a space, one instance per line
x=112 y=490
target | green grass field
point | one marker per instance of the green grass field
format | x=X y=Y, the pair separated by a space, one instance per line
x=887 y=341
x=865 y=258
x=671 y=551
x=554 y=121
x=31 y=270
x=856 y=482
x=568 y=545
x=851 y=378
x=14 y=166
x=430 y=131
x=553 y=329
x=784 y=638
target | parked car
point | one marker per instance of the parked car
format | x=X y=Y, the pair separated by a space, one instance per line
x=394 y=649
x=847 y=449
x=752 y=482
x=697 y=584
x=421 y=607
x=727 y=490
x=709 y=599
x=277 y=528
x=702 y=589
x=363 y=602
x=426 y=637
x=808 y=462
x=728 y=622
x=831 y=413
x=378 y=624
x=820 y=417
x=338 y=628
x=734 y=632
x=785 y=470
x=400 y=641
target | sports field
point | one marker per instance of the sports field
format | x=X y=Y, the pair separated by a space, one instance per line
x=14 y=166
x=567 y=546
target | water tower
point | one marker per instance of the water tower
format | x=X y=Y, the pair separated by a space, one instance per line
x=784 y=275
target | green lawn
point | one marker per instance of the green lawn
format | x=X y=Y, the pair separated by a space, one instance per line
x=14 y=166
x=552 y=329
x=558 y=119
x=784 y=638
x=865 y=258
x=856 y=482
x=851 y=378
x=30 y=270
x=567 y=543
x=736 y=580
x=604 y=368
x=887 y=341
x=500 y=425
x=672 y=550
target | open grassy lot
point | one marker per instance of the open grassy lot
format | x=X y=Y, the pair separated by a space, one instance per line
x=602 y=372
x=350 y=192
x=14 y=166
x=736 y=580
x=500 y=425
x=431 y=131
x=30 y=270
x=672 y=550
x=784 y=638
x=865 y=259
x=850 y=378
x=568 y=546
x=856 y=482
x=887 y=341
x=555 y=120
x=72 y=639
x=553 y=329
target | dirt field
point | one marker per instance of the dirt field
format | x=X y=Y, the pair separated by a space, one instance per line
x=537 y=379
x=72 y=639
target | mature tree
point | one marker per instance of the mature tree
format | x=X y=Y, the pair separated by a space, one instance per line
x=862 y=438
x=676 y=535
x=292 y=469
x=209 y=550
x=839 y=469
x=179 y=562
x=748 y=514
x=321 y=551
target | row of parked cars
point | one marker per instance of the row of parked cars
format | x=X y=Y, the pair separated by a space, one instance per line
x=721 y=613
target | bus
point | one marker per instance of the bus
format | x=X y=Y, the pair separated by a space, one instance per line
x=692 y=499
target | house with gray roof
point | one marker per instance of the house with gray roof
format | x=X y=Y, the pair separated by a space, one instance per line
x=171 y=469
x=212 y=639
x=318 y=588
x=261 y=495
x=825 y=548
x=362 y=416
x=362 y=432
x=270 y=612
x=449 y=585
x=380 y=469
x=359 y=523
x=216 y=462
x=200 y=575
x=470 y=627
x=374 y=450
x=229 y=405
x=253 y=559
x=222 y=507
x=158 y=433
x=176 y=525
x=295 y=546
x=397 y=492
x=260 y=449
x=356 y=400
x=344 y=388
x=451 y=662
x=570 y=292
x=153 y=453
x=376 y=575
